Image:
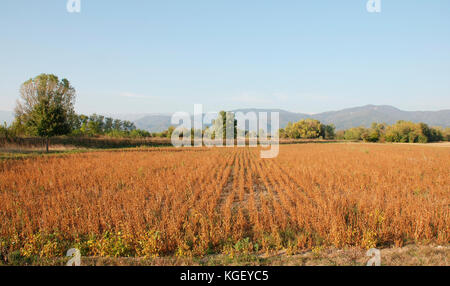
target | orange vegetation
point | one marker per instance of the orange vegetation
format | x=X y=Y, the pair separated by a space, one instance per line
x=185 y=202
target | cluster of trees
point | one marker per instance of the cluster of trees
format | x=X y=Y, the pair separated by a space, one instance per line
x=402 y=131
x=4 y=130
x=373 y=134
x=308 y=129
x=100 y=125
x=218 y=126
x=225 y=123
x=46 y=109
x=405 y=131
x=164 y=134
x=80 y=125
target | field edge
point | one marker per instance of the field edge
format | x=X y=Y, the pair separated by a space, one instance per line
x=409 y=255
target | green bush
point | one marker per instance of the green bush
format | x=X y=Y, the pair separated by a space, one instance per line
x=308 y=129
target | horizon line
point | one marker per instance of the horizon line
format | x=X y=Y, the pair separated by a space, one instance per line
x=259 y=108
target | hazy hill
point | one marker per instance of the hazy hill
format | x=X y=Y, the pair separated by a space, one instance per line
x=342 y=119
x=154 y=123
x=285 y=116
x=160 y=122
x=365 y=115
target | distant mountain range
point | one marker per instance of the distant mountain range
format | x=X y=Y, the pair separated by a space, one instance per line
x=365 y=115
x=342 y=119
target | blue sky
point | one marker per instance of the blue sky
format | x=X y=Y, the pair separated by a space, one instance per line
x=165 y=56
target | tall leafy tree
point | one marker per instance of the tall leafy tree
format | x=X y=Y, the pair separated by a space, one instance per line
x=225 y=124
x=46 y=106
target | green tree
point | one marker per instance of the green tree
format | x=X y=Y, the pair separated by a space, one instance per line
x=282 y=133
x=329 y=131
x=407 y=131
x=109 y=124
x=169 y=131
x=46 y=106
x=356 y=133
x=95 y=124
x=4 y=132
x=128 y=126
x=309 y=129
x=225 y=123
x=446 y=134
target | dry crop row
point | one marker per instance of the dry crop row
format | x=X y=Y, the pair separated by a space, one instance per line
x=225 y=200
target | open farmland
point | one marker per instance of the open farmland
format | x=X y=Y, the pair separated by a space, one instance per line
x=199 y=201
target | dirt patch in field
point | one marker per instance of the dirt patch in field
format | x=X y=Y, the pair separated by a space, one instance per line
x=410 y=255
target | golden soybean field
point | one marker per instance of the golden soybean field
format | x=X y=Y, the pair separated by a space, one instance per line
x=198 y=201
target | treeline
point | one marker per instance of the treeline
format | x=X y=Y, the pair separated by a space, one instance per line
x=224 y=125
x=401 y=132
x=100 y=125
x=83 y=125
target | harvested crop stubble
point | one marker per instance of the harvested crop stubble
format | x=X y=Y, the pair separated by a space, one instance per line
x=225 y=200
